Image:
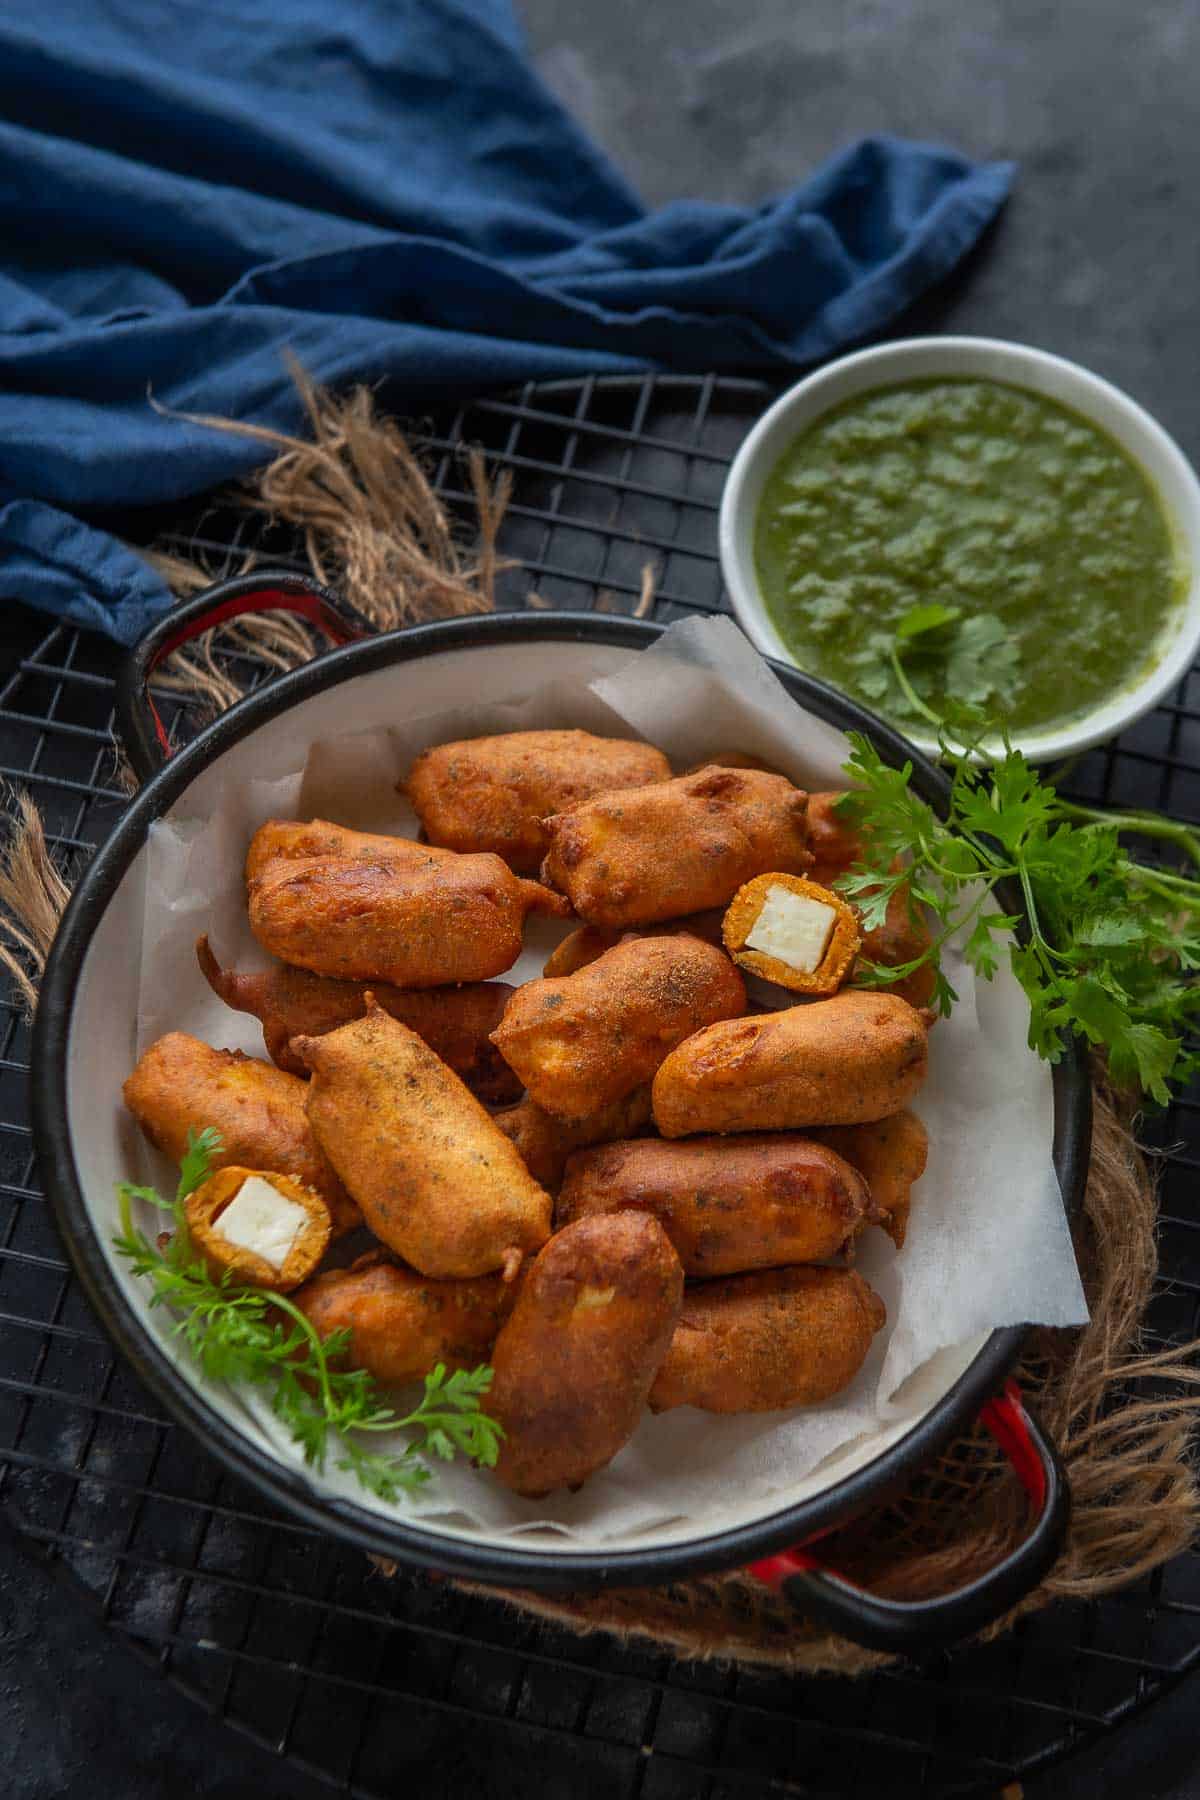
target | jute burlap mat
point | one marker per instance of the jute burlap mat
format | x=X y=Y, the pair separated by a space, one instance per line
x=1123 y=1417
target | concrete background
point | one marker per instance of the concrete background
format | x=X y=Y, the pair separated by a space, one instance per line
x=1094 y=257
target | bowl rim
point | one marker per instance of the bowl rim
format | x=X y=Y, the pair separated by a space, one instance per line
x=1072 y=385
x=291 y=1487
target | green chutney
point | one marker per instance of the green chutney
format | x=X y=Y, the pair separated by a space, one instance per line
x=1036 y=526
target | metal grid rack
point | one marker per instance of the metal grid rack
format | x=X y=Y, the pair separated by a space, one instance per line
x=304 y=1644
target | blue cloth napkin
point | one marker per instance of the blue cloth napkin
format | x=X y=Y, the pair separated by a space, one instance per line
x=384 y=187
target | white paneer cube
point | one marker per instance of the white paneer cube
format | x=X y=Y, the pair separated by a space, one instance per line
x=793 y=928
x=262 y=1220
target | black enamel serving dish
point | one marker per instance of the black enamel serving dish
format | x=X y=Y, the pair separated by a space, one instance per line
x=90 y=981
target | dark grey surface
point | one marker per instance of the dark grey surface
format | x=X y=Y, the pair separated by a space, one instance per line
x=1095 y=258
x=80 y=1716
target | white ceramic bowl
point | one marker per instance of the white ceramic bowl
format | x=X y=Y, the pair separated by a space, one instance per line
x=1020 y=366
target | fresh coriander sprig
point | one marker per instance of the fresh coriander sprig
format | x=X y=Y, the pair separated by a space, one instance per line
x=1111 y=945
x=248 y=1334
x=974 y=659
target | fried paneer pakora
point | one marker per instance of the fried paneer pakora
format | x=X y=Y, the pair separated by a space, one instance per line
x=492 y=793
x=890 y=1154
x=793 y=932
x=545 y=1141
x=783 y=1337
x=574 y=1363
x=860 y=1055
x=298 y=840
x=832 y=837
x=727 y=1204
x=182 y=1085
x=676 y=847
x=260 y=1228
x=455 y=1022
x=437 y=1181
x=424 y=918
x=580 y=1042
x=402 y=1324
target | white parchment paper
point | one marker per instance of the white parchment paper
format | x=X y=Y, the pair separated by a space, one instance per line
x=988 y=1242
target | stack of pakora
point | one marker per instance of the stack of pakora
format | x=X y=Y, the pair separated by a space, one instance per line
x=631 y=1182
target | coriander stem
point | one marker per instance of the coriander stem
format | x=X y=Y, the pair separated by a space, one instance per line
x=293 y=1311
x=182 y=1233
x=1181 y=890
x=909 y=691
x=1139 y=824
x=1164 y=878
x=1035 y=928
x=954 y=878
x=1064 y=770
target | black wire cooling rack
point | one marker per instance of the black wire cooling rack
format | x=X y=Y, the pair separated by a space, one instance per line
x=367 y=1680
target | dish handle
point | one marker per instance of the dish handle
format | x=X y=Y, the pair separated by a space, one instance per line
x=912 y=1627
x=142 y=732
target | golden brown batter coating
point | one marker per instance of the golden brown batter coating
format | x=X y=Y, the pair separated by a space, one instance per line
x=890 y=1155
x=402 y=1324
x=437 y=1181
x=786 y=1337
x=181 y=1085
x=676 y=847
x=205 y=1205
x=545 y=1142
x=455 y=1022
x=857 y=1056
x=743 y=915
x=574 y=1363
x=727 y=1204
x=580 y=1042
x=583 y=945
x=492 y=793
x=296 y=840
x=832 y=838
x=423 y=921
x=579 y=948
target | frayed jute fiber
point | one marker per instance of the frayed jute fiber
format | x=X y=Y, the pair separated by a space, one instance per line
x=1123 y=1416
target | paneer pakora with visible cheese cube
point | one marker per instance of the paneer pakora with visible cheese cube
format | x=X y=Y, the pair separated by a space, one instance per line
x=793 y=932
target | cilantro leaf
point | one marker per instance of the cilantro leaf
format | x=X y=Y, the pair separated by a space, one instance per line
x=935 y=651
x=981 y=949
x=197 y=1160
x=920 y=620
x=983 y=662
x=1108 y=930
